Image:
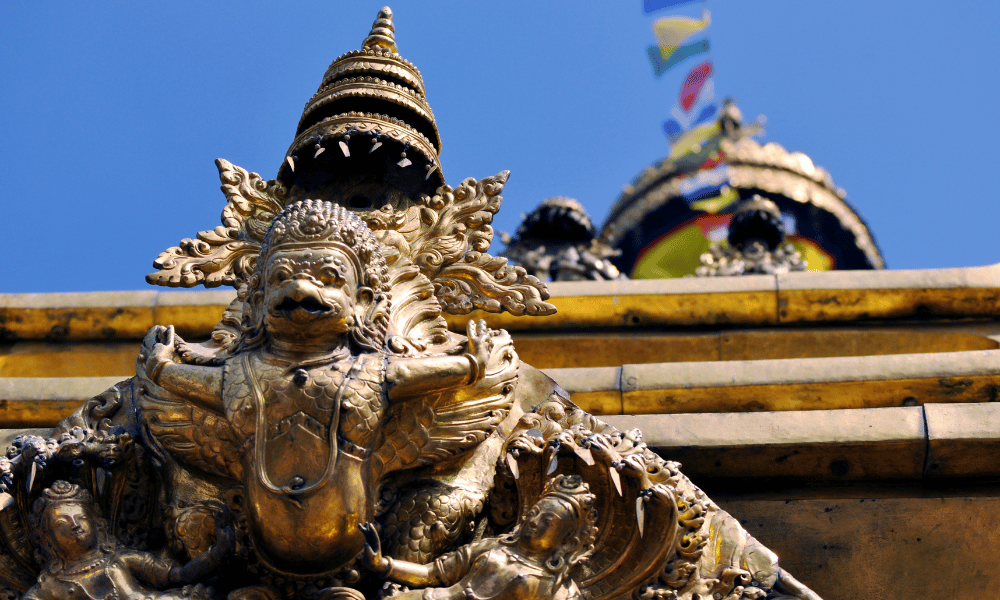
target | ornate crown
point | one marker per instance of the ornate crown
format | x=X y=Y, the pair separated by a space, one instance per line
x=371 y=102
x=572 y=490
x=311 y=223
x=61 y=492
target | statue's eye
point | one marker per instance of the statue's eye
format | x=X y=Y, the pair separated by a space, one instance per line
x=280 y=274
x=330 y=275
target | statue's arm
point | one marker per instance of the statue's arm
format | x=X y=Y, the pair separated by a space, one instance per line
x=199 y=383
x=409 y=377
x=446 y=570
x=162 y=573
x=203 y=384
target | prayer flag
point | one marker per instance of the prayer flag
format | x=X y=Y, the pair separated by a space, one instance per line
x=675 y=127
x=655 y=5
x=696 y=140
x=694 y=83
x=672 y=31
x=661 y=65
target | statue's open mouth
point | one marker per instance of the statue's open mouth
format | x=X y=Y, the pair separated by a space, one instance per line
x=308 y=304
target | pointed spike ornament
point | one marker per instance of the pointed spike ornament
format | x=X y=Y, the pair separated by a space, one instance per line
x=30 y=483
x=319 y=148
x=375 y=144
x=430 y=170
x=640 y=513
x=585 y=454
x=512 y=463
x=383 y=33
x=102 y=479
x=403 y=161
x=553 y=464
x=615 y=477
x=291 y=163
x=343 y=145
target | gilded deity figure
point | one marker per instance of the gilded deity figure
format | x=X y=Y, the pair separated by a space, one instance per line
x=307 y=386
x=334 y=400
x=532 y=562
x=82 y=560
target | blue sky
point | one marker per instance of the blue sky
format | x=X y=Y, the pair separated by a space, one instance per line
x=113 y=112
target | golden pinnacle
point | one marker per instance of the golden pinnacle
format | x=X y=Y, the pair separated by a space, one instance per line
x=382 y=34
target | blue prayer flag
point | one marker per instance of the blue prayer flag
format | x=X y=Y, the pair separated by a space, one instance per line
x=660 y=65
x=654 y=5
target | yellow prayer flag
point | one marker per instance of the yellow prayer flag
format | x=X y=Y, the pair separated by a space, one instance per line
x=671 y=31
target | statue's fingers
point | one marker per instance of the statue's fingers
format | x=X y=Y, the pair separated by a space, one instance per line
x=170 y=336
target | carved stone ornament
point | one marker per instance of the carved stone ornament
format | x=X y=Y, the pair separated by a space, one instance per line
x=557 y=242
x=333 y=439
x=756 y=245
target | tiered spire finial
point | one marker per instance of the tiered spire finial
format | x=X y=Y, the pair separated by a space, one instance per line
x=383 y=32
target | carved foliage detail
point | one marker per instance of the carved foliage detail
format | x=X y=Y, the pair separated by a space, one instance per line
x=227 y=254
x=452 y=247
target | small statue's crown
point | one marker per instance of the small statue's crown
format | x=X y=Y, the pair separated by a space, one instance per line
x=572 y=490
x=61 y=492
x=371 y=105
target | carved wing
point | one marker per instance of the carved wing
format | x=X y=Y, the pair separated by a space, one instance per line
x=225 y=255
x=198 y=436
x=427 y=429
x=452 y=252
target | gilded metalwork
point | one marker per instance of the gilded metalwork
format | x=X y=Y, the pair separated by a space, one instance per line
x=81 y=559
x=332 y=408
x=756 y=244
x=558 y=242
x=532 y=561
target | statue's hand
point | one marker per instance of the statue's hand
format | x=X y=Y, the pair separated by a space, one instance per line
x=480 y=344
x=206 y=563
x=373 y=558
x=157 y=350
x=225 y=536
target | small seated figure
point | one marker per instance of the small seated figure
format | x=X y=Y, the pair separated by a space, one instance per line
x=81 y=559
x=534 y=561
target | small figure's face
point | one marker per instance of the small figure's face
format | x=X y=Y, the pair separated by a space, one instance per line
x=546 y=526
x=309 y=294
x=71 y=529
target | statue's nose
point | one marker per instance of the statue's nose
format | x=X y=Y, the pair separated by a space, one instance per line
x=300 y=289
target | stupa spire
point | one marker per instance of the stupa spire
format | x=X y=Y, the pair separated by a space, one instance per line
x=383 y=33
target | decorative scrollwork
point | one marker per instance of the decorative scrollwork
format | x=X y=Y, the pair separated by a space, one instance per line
x=452 y=253
x=225 y=255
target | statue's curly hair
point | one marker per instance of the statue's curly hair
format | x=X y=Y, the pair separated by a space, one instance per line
x=319 y=222
x=64 y=492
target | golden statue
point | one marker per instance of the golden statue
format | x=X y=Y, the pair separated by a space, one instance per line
x=308 y=390
x=80 y=558
x=332 y=402
x=532 y=561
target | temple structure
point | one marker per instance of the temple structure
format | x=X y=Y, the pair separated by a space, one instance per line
x=341 y=424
